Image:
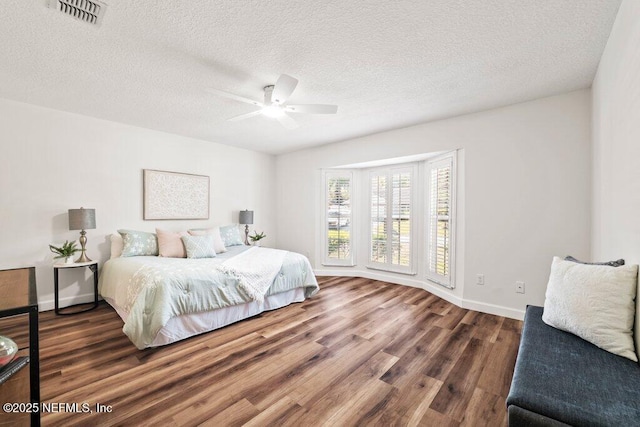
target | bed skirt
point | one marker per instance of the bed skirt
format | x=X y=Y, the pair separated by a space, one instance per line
x=188 y=325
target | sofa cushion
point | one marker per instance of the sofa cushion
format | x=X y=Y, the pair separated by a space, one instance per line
x=636 y=327
x=564 y=377
x=519 y=417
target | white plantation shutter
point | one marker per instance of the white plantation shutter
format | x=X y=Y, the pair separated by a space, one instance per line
x=401 y=218
x=338 y=218
x=390 y=195
x=440 y=220
x=379 y=221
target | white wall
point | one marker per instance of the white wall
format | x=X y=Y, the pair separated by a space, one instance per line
x=616 y=141
x=52 y=161
x=616 y=144
x=526 y=180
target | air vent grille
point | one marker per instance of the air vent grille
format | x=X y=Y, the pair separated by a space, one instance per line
x=90 y=11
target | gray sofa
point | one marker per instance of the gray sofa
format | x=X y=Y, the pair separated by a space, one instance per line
x=561 y=379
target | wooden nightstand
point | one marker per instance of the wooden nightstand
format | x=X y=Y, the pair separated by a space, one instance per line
x=93 y=266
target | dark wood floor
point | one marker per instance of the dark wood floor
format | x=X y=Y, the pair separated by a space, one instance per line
x=361 y=352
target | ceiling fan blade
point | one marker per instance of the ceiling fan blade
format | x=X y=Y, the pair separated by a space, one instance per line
x=232 y=96
x=283 y=88
x=286 y=121
x=245 y=116
x=312 y=108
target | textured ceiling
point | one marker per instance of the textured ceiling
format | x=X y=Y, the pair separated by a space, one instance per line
x=387 y=64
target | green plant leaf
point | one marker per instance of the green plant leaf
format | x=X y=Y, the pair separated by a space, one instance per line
x=257 y=236
x=66 y=250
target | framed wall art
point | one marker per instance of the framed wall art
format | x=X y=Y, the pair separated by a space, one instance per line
x=174 y=195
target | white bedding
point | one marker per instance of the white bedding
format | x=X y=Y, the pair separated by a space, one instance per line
x=163 y=300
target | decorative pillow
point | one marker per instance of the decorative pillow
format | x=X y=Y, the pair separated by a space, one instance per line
x=231 y=235
x=117 y=244
x=594 y=302
x=616 y=263
x=217 y=239
x=139 y=243
x=199 y=246
x=170 y=244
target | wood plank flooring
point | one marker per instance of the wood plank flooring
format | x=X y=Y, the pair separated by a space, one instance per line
x=360 y=352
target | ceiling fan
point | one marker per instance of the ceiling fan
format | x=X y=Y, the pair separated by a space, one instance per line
x=275 y=106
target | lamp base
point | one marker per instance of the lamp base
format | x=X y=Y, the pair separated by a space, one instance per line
x=83 y=258
x=246 y=235
x=83 y=243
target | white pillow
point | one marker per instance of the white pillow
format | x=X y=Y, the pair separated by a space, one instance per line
x=117 y=245
x=217 y=239
x=594 y=302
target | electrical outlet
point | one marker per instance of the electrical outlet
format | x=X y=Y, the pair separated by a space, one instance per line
x=520 y=287
x=480 y=279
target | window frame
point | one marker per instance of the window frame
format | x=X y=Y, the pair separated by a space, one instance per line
x=326 y=260
x=389 y=171
x=449 y=159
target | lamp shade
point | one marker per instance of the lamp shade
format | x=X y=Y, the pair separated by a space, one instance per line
x=82 y=219
x=246 y=217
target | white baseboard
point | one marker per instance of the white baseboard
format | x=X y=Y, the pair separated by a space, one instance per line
x=498 y=310
x=438 y=291
x=66 y=301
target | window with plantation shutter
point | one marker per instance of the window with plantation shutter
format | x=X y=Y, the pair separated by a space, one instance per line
x=391 y=243
x=379 y=223
x=440 y=219
x=338 y=218
x=404 y=220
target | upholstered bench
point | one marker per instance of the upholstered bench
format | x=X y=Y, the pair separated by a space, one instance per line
x=562 y=379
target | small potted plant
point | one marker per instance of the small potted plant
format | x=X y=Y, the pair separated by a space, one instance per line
x=257 y=237
x=65 y=251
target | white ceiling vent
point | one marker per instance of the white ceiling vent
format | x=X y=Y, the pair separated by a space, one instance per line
x=90 y=11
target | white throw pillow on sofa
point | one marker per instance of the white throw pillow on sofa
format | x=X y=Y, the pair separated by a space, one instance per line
x=594 y=302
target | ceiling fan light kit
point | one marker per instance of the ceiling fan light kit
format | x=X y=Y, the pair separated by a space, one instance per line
x=271 y=108
x=274 y=105
x=272 y=111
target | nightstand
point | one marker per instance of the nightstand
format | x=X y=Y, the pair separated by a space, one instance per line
x=93 y=266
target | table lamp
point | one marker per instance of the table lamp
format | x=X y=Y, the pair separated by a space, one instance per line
x=246 y=218
x=82 y=219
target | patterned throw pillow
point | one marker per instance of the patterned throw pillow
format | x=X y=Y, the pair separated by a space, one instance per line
x=199 y=246
x=139 y=243
x=215 y=232
x=231 y=235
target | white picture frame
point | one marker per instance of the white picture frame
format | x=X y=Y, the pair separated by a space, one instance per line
x=174 y=195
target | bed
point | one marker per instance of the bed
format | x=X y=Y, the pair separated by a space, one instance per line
x=164 y=300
